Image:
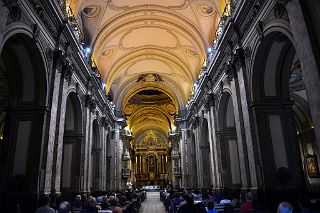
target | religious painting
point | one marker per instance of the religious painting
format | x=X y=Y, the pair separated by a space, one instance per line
x=311 y=164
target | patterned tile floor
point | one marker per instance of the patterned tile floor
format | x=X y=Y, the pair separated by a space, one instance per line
x=152 y=204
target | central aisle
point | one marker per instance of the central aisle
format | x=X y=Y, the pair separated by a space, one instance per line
x=152 y=204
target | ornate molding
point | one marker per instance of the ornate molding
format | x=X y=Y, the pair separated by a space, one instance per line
x=210 y=101
x=14 y=9
x=279 y=9
x=90 y=102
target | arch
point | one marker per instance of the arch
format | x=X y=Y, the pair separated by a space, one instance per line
x=228 y=142
x=72 y=142
x=194 y=178
x=74 y=116
x=272 y=66
x=225 y=112
x=205 y=154
x=95 y=156
x=275 y=114
x=23 y=101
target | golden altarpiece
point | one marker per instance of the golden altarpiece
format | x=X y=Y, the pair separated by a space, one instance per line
x=151 y=161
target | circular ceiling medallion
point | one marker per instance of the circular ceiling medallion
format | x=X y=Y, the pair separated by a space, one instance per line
x=171 y=109
x=107 y=52
x=128 y=110
x=91 y=11
x=205 y=10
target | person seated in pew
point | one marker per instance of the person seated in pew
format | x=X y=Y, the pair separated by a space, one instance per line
x=247 y=206
x=189 y=206
x=104 y=203
x=175 y=202
x=210 y=208
x=285 y=207
x=200 y=208
x=114 y=205
x=91 y=205
x=228 y=208
x=217 y=196
x=44 y=201
x=77 y=203
x=64 y=207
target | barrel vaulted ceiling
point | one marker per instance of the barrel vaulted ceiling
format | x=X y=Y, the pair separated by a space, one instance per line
x=149 y=45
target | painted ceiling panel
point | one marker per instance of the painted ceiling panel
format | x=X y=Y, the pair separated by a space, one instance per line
x=149 y=45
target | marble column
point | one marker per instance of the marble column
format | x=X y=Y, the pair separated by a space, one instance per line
x=198 y=155
x=86 y=158
x=59 y=149
x=212 y=151
x=52 y=133
x=242 y=149
x=183 y=158
x=118 y=150
x=310 y=71
x=215 y=147
x=103 y=157
x=247 y=127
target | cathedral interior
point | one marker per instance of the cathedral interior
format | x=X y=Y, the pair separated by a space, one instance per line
x=100 y=95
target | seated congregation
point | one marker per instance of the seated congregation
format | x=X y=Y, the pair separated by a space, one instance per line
x=178 y=200
x=124 y=201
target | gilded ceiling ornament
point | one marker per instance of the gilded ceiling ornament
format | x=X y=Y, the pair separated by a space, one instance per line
x=149 y=77
x=205 y=10
x=128 y=109
x=171 y=109
x=107 y=53
x=191 y=53
x=91 y=11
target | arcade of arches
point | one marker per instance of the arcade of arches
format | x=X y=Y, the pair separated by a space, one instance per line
x=97 y=95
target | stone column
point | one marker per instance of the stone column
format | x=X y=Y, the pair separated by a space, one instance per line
x=307 y=59
x=213 y=171
x=59 y=146
x=183 y=158
x=103 y=155
x=242 y=149
x=215 y=147
x=198 y=152
x=117 y=158
x=86 y=148
x=247 y=125
x=52 y=133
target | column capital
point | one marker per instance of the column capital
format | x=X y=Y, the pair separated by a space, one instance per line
x=235 y=62
x=209 y=101
x=90 y=102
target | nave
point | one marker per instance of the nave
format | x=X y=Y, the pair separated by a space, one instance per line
x=111 y=95
x=152 y=204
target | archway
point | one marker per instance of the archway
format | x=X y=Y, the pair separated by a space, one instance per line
x=95 y=157
x=72 y=139
x=108 y=161
x=228 y=143
x=205 y=154
x=194 y=178
x=273 y=108
x=22 y=114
